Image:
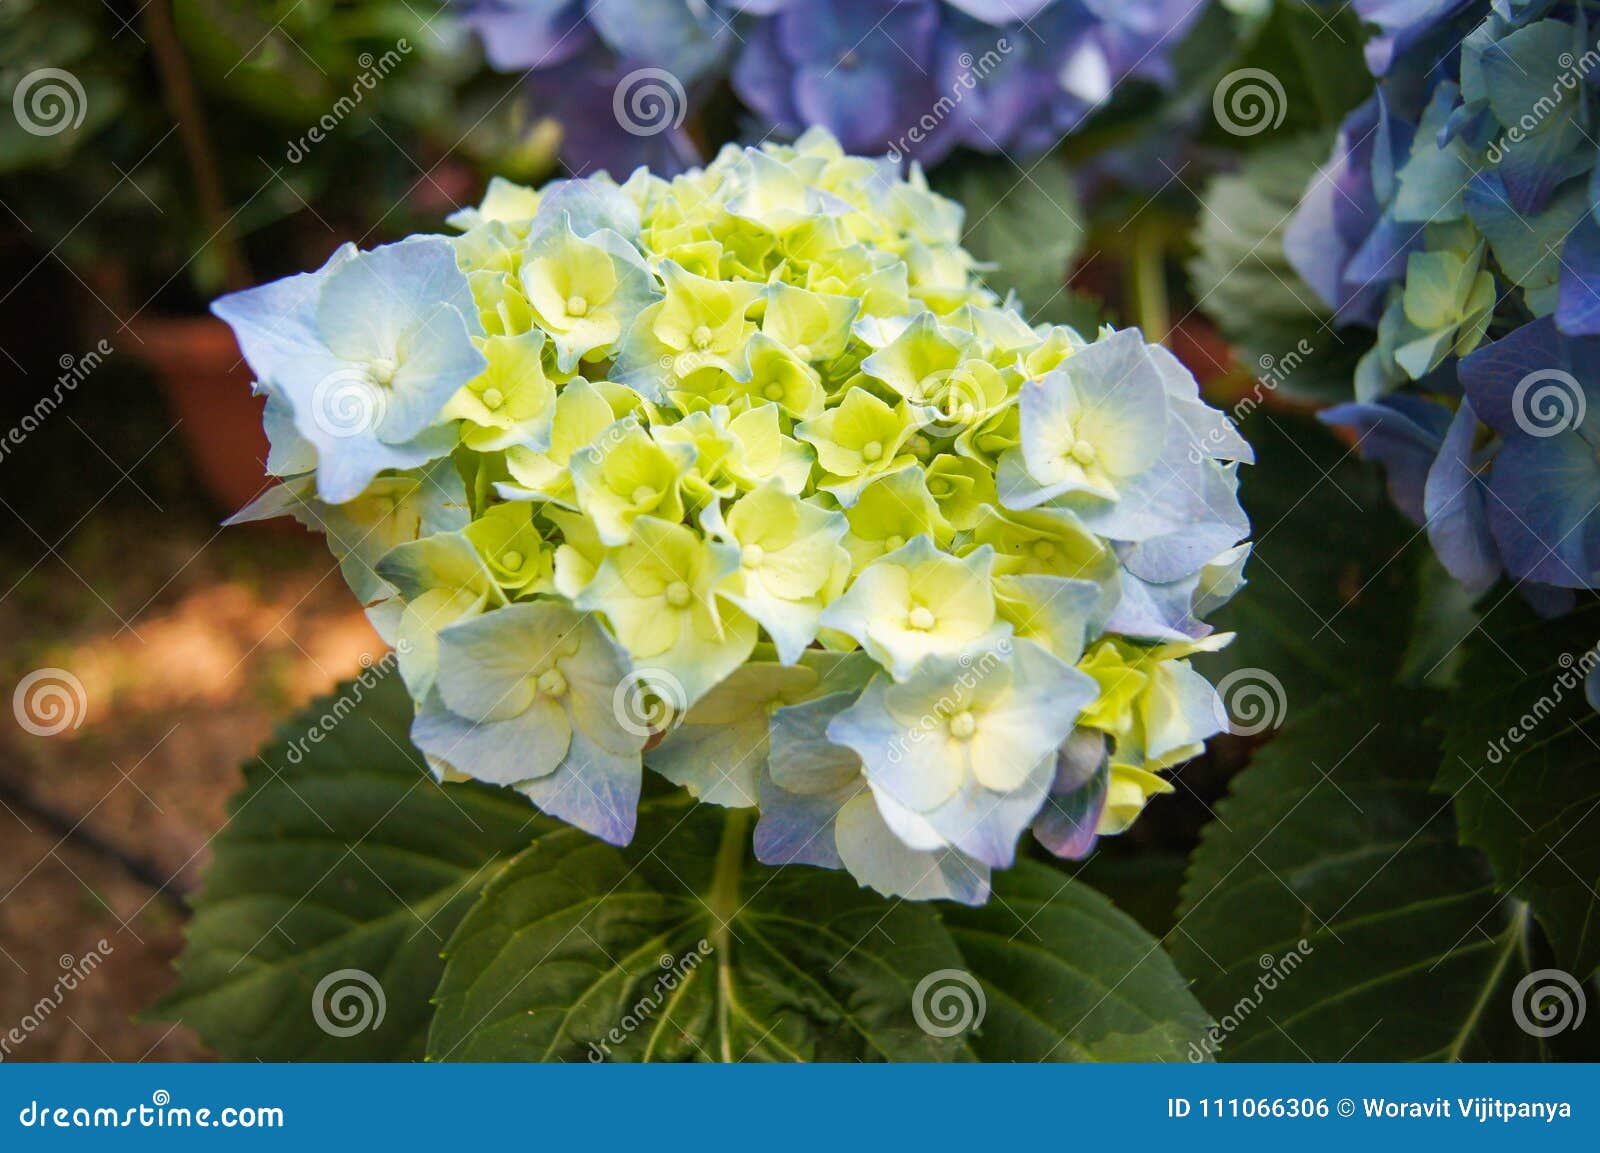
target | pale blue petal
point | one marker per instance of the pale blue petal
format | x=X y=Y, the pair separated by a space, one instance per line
x=370 y=302
x=438 y=358
x=586 y=206
x=1071 y=814
x=1453 y=501
x=276 y=324
x=718 y=763
x=801 y=758
x=593 y=788
x=797 y=828
x=347 y=466
x=496 y=752
x=486 y=664
x=289 y=453
x=882 y=862
x=1158 y=612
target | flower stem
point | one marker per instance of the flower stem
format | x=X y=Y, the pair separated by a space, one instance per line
x=724 y=904
x=187 y=110
x=1150 y=282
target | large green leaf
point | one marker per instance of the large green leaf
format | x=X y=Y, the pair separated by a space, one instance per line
x=681 y=948
x=1027 y=222
x=1142 y=880
x=1068 y=977
x=1331 y=601
x=1522 y=760
x=1329 y=913
x=341 y=853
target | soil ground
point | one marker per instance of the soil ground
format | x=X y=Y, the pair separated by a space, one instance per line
x=191 y=643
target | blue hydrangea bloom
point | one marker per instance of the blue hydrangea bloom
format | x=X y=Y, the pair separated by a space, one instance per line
x=1540 y=392
x=911 y=77
x=362 y=355
x=1456 y=218
x=626 y=496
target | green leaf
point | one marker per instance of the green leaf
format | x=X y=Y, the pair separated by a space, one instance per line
x=1314 y=52
x=1445 y=615
x=679 y=948
x=1333 y=870
x=1026 y=222
x=340 y=853
x=1522 y=760
x=1068 y=977
x=1142 y=880
x=1331 y=602
x=1245 y=284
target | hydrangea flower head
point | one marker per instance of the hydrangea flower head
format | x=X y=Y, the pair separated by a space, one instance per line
x=915 y=77
x=718 y=482
x=1456 y=219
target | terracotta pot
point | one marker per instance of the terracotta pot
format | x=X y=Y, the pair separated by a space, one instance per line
x=207 y=386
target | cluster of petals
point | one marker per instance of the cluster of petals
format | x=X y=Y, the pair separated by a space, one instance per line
x=745 y=477
x=1456 y=219
x=624 y=79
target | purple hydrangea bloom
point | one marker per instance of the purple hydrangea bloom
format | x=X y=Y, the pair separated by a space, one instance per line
x=1344 y=240
x=618 y=75
x=1460 y=201
x=860 y=68
x=914 y=78
x=1540 y=392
